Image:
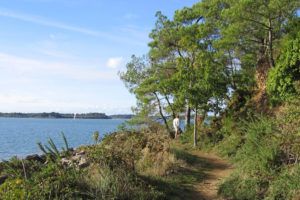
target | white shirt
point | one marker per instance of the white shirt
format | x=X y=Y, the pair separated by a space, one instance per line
x=176 y=123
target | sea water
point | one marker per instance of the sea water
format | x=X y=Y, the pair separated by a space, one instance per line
x=19 y=136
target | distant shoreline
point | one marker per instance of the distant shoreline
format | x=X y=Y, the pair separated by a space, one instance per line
x=55 y=115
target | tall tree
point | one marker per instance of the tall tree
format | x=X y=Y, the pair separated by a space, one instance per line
x=143 y=80
x=251 y=30
x=198 y=73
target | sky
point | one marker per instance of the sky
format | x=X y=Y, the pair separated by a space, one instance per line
x=65 y=55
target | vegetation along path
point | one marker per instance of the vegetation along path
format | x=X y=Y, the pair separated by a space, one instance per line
x=202 y=175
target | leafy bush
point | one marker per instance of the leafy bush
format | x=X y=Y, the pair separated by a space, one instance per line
x=55 y=182
x=238 y=187
x=286 y=185
x=13 y=190
x=232 y=137
x=288 y=122
x=187 y=136
x=229 y=145
x=51 y=150
x=112 y=173
x=258 y=160
x=105 y=183
x=282 y=78
x=260 y=154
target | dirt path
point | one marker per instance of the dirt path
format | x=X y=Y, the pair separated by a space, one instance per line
x=207 y=170
x=215 y=169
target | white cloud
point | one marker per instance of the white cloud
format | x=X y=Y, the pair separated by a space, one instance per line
x=35 y=68
x=114 y=62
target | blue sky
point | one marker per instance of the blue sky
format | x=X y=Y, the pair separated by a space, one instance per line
x=64 y=55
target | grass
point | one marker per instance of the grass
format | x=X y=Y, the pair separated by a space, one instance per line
x=266 y=152
x=180 y=183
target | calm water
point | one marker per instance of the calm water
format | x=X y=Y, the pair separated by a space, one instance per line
x=20 y=136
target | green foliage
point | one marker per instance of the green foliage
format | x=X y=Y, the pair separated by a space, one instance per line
x=263 y=153
x=239 y=187
x=205 y=58
x=187 y=136
x=13 y=190
x=50 y=181
x=232 y=137
x=112 y=173
x=288 y=121
x=260 y=153
x=282 y=78
x=105 y=183
x=55 y=182
x=286 y=185
x=96 y=137
x=258 y=159
x=230 y=145
x=51 y=150
x=14 y=167
x=66 y=148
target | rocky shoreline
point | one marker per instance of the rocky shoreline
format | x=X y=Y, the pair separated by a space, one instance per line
x=77 y=158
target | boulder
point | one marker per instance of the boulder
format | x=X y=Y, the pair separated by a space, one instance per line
x=76 y=158
x=66 y=162
x=35 y=157
x=83 y=163
x=80 y=153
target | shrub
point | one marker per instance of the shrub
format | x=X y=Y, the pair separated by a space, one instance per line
x=13 y=190
x=55 y=182
x=112 y=173
x=232 y=137
x=260 y=154
x=187 y=136
x=282 y=78
x=240 y=188
x=229 y=146
x=106 y=183
x=288 y=121
x=286 y=185
x=258 y=160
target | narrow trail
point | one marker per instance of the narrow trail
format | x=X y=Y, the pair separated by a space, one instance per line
x=215 y=169
x=207 y=170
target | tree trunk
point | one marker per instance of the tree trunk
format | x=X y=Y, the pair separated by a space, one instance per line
x=187 y=117
x=161 y=113
x=170 y=105
x=260 y=99
x=270 y=46
x=195 y=126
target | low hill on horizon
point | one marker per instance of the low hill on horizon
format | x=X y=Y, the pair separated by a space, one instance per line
x=56 y=115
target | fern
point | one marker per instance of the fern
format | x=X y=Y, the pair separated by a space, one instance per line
x=53 y=146
x=41 y=147
x=51 y=149
x=65 y=141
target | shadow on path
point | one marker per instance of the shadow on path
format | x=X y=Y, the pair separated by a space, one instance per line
x=198 y=180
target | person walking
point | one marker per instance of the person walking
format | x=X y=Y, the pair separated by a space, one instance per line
x=176 y=125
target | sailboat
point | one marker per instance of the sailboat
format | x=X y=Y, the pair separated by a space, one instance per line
x=74 y=116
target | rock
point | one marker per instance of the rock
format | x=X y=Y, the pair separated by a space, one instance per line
x=3 y=179
x=76 y=158
x=35 y=157
x=80 y=153
x=83 y=163
x=66 y=162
